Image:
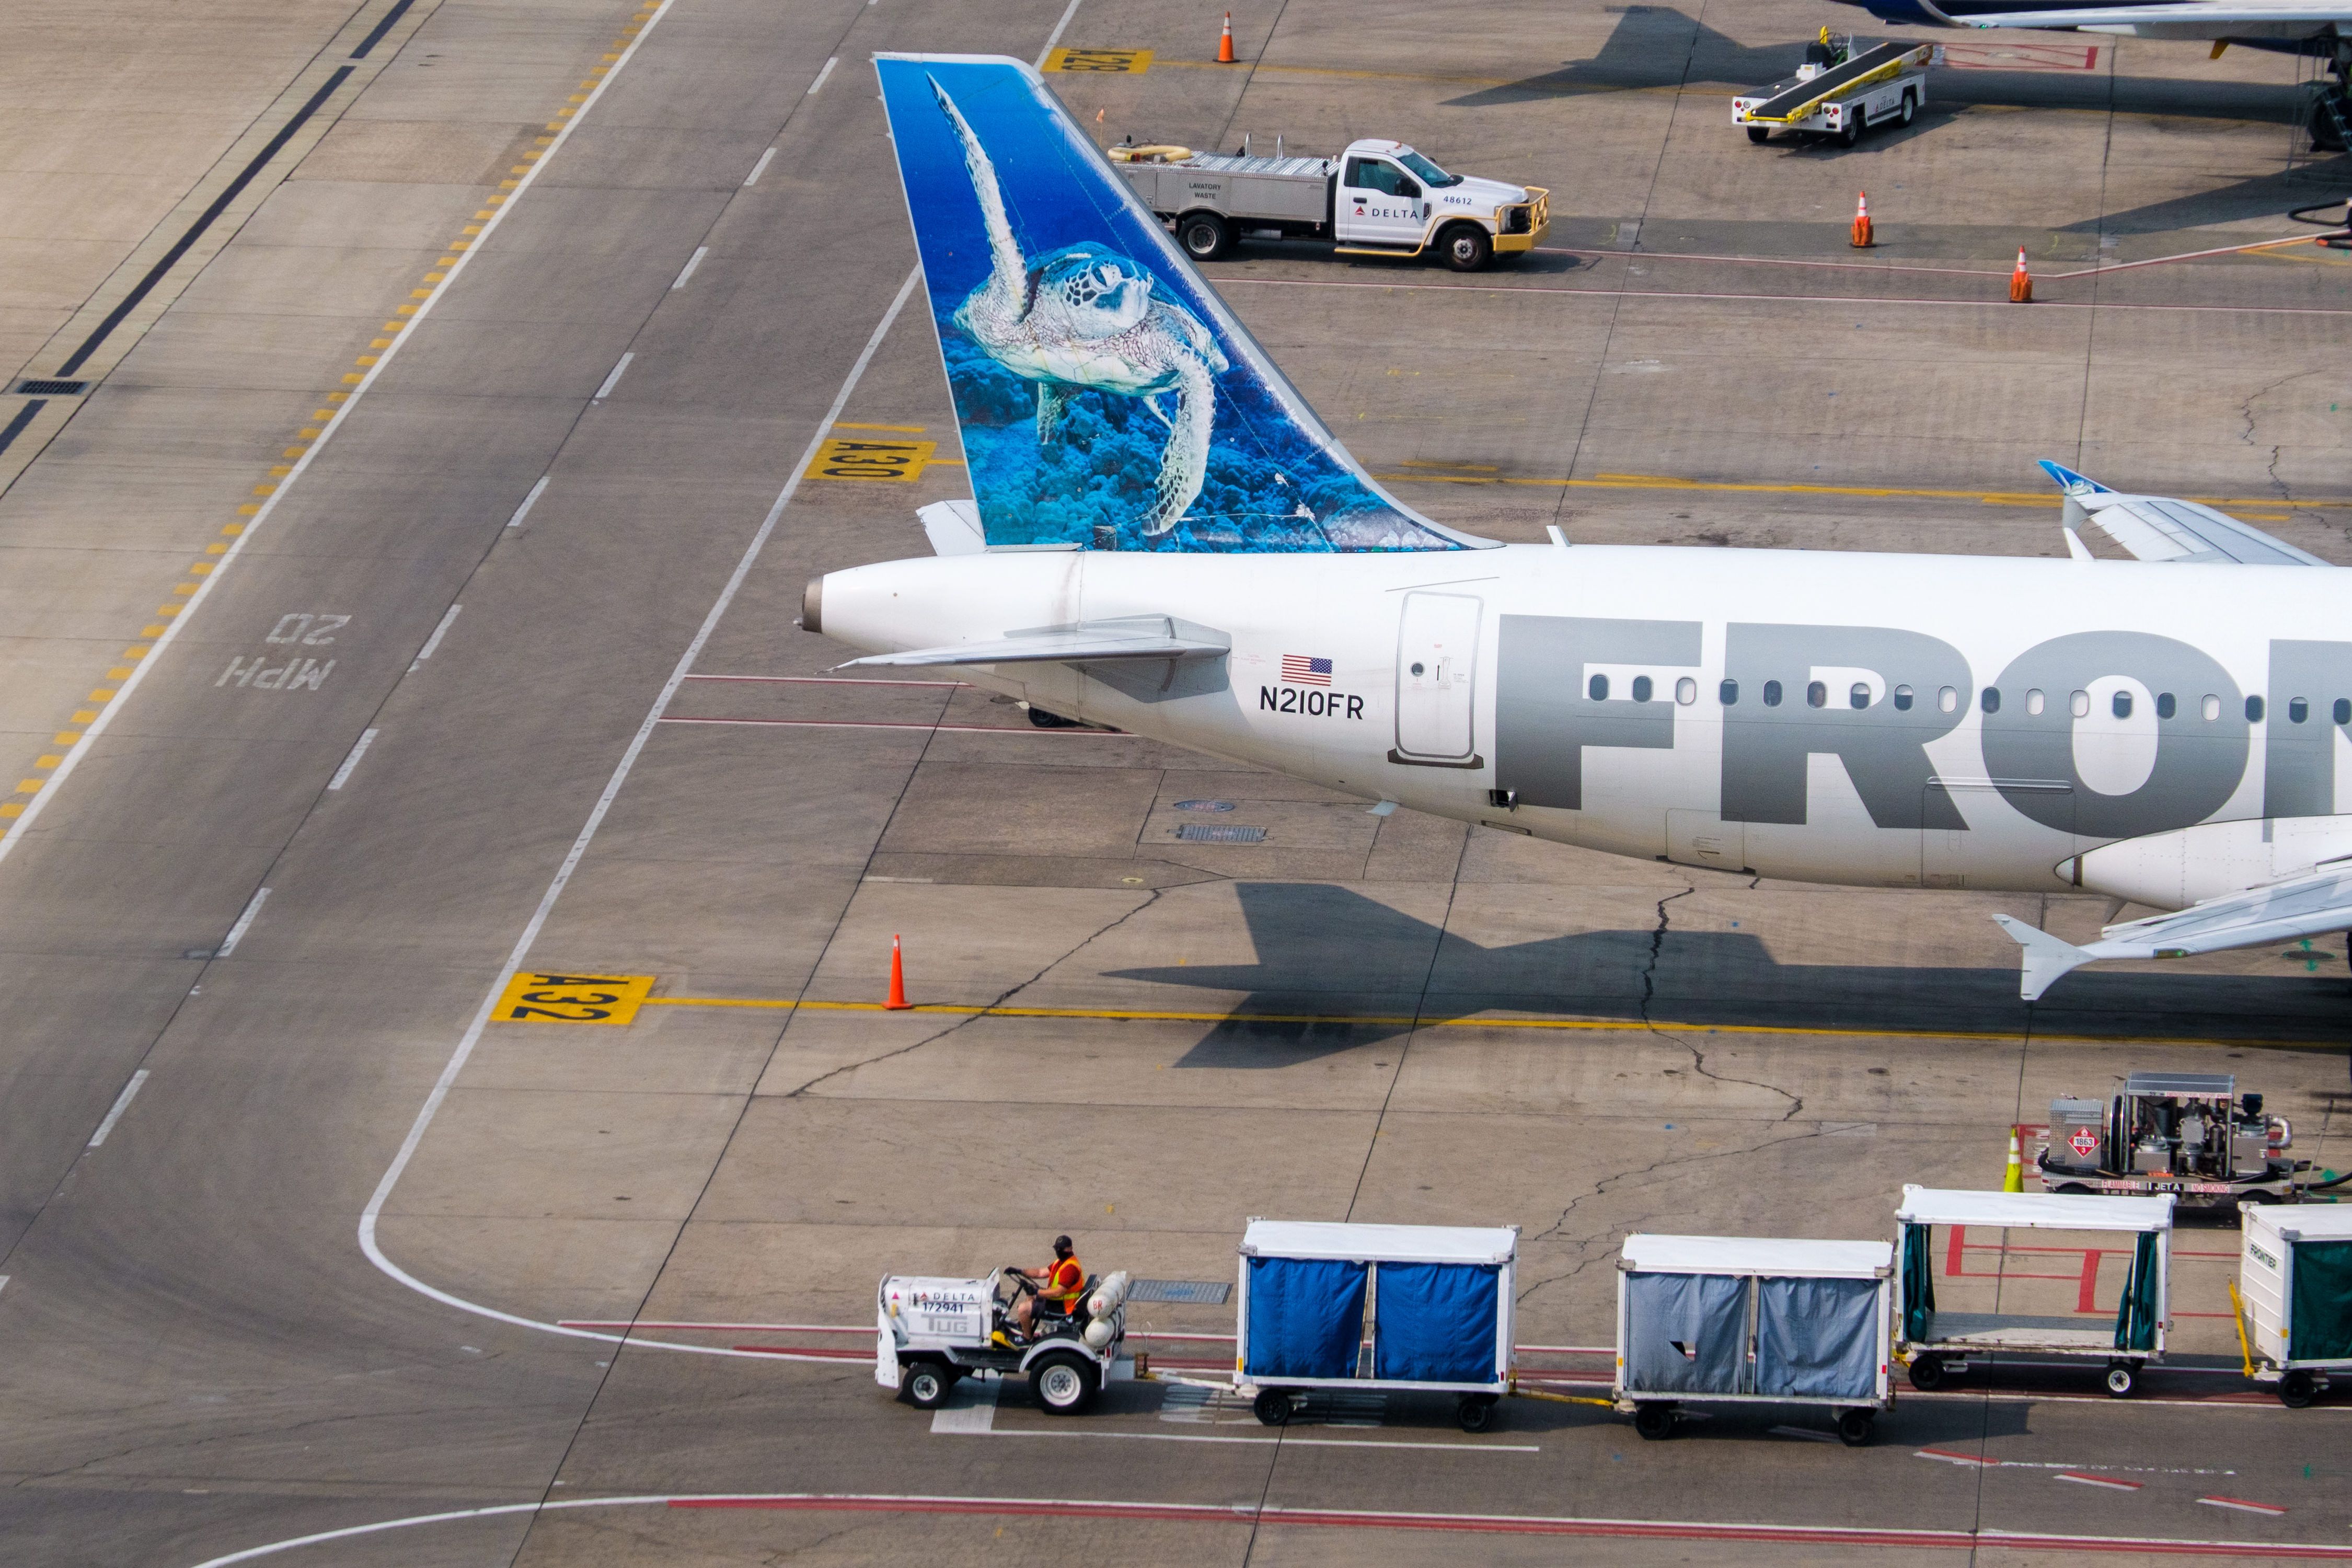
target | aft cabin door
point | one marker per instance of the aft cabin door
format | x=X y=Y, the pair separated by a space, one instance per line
x=1437 y=655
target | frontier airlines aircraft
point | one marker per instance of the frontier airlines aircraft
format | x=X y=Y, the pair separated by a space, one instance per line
x=1164 y=538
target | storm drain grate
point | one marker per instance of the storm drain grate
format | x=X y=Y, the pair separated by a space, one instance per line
x=51 y=388
x=1220 y=833
x=1206 y=1292
x=1205 y=806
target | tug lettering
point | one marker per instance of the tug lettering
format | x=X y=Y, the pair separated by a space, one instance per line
x=1313 y=703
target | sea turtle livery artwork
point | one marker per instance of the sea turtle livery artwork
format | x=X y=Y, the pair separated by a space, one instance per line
x=1106 y=398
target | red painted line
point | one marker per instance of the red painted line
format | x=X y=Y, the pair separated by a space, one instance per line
x=828 y=680
x=2087 y=1299
x=1950 y=1457
x=873 y=724
x=804 y=1354
x=720 y=1328
x=1881 y=268
x=1227 y=282
x=2241 y=1504
x=2097 y=1480
x=1509 y=1524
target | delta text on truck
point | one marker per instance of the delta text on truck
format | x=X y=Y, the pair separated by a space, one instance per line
x=1378 y=198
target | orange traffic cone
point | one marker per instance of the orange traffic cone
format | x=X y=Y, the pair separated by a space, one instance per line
x=1862 y=239
x=897 y=1002
x=1226 y=43
x=2021 y=283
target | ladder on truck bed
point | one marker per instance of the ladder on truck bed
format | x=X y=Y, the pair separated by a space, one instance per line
x=1794 y=102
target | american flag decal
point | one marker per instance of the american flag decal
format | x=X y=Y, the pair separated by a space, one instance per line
x=1300 y=670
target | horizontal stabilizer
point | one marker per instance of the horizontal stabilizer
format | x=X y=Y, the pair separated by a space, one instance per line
x=2047 y=959
x=1127 y=637
x=953 y=527
x=2158 y=528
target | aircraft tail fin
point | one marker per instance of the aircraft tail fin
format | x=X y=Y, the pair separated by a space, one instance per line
x=1107 y=398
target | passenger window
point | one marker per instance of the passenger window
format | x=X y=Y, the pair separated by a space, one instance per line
x=1948 y=700
x=1597 y=689
x=1859 y=697
x=1817 y=695
x=2121 y=703
x=2297 y=711
x=2164 y=705
x=1771 y=694
x=1903 y=699
x=2344 y=710
x=1990 y=699
x=1686 y=692
x=1642 y=688
x=1727 y=693
x=2253 y=710
x=2079 y=704
x=2211 y=707
x=2034 y=701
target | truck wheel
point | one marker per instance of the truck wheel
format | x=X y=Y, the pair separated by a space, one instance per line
x=1854 y=1426
x=1927 y=1373
x=1654 y=1422
x=1465 y=248
x=1758 y=134
x=1851 y=133
x=1204 y=236
x=1064 y=1383
x=2122 y=1377
x=1910 y=107
x=1272 y=1406
x=1475 y=1413
x=926 y=1386
x=2297 y=1389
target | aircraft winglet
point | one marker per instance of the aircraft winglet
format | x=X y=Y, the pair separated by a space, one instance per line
x=2073 y=483
x=2048 y=959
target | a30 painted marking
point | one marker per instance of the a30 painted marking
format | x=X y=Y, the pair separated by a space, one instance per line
x=244 y=923
x=760 y=168
x=121 y=1104
x=573 y=998
x=359 y=750
x=682 y=274
x=1114 y=62
x=529 y=501
x=843 y=459
x=614 y=379
x=433 y=641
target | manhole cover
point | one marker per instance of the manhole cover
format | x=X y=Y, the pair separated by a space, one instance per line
x=1206 y=1292
x=1205 y=806
x=1220 y=833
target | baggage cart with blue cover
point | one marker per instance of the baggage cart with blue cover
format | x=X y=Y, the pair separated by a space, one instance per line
x=2294 y=1280
x=1753 y=1320
x=1937 y=1343
x=1332 y=1306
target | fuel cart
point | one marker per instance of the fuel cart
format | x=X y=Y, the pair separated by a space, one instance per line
x=2295 y=1280
x=1330 y=1306
x=1753 y=1320
x=1937 y=1343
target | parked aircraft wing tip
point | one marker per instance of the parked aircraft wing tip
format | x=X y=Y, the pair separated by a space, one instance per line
x=2048 y=959
x=2073 y=483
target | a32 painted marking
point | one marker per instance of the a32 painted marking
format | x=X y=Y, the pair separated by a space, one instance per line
x=1115 y=62
x=573 y=998
x=842 y=459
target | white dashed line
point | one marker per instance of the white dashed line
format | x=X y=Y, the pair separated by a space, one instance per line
x=2081 y=1480
x=531 y=500
x=359 y=750
x=614 y=380
x=434 y=640
x=121 y=1104
x=236 y=932
x=684 y=273
x=760 y=168
x=822 y=72
x=2270 y=1510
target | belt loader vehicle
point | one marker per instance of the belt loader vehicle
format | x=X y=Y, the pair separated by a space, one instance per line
x=1841 y=90
x=1378 y=198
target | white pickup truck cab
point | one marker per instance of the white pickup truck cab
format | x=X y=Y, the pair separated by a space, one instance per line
x=1378 y=198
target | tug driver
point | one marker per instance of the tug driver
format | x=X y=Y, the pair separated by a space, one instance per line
x=1058 y=1285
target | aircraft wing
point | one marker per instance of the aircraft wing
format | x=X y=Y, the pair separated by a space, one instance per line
x=1125 y=636
x=2158 y=528
x=2183 y=21
x=2305 y=905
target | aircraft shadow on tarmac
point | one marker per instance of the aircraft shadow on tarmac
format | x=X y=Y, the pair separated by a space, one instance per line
x=1658 y=47
x=1324 y=952
x=2268 y=196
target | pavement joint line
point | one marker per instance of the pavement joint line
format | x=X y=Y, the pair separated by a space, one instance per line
x=1841 y=299
x=1385 y=1020
x=1262 y=1513
x=16 y=819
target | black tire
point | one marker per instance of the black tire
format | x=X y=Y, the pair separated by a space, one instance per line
x=926 y=1386
x=2297 y=1389
x=1852 y=131
x=1910 y=107
x=1926 y=1372
x=1465 y=248
x=1758 y=134
x=1475 y=1411
x=1272 y=1406
x=1065 y=1383
x=2122 y=1378
x=1654 y=1423
x=1854 y=1426
x=1205 y=237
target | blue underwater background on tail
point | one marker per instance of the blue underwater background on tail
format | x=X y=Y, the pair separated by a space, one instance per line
x=1118 y=463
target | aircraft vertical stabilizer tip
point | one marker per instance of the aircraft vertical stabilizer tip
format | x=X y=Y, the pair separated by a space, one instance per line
x=2048 y=959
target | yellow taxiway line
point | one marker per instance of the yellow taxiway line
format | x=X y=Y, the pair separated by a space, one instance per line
x=1621 y=1025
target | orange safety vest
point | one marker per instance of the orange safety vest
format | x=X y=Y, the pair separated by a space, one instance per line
x=1063 y=1280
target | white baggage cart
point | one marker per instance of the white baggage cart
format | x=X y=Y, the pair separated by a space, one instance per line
x=1753 y=1320
x=2295 y=1280
x=1332 y=1306
x=1937 y=1343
